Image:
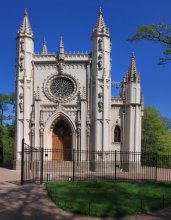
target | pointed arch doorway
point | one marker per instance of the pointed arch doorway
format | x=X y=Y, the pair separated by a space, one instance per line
x=62 y=141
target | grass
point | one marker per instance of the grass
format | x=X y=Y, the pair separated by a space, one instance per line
x=113 y=199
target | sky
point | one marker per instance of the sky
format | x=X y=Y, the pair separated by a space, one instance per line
x=74 y=20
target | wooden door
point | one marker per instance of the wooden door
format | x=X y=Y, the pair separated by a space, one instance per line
x=62 y=141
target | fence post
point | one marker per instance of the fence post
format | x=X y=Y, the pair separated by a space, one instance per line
x=22 y=162
x=73 y=165
x=41 y=169
x=156 y=164
x=115 y=165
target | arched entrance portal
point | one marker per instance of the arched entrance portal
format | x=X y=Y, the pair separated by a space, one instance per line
x=62 y=141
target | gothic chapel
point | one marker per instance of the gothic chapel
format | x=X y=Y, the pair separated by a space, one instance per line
x=64 y=100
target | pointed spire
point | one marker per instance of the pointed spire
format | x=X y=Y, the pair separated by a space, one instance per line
x=61 y=48
x=44 y=49
x=133 y=75
x=25 y=29
x=100 y=26
x=61 y=45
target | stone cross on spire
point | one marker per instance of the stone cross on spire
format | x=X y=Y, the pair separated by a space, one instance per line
x=133 y=74
x=44 y=49
x=100 y=26
x=25 y=29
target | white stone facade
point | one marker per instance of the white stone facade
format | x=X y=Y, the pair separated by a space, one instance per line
x=75 y=88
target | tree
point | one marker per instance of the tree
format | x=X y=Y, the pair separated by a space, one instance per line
x=155 y=135
x=7 y=142
x=160 y=33
x=5 y=101
x=7 y=104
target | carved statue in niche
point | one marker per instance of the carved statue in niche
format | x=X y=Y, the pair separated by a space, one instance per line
x=78 y=131
x=21 y=62
x=100 y=61
x=41 y=129
x=100 y=95
x=21 y=102
x=100 y=56
x=100 y=103
x=100 y=44
x=99 y=64
x=60 y=67
x=22 y=45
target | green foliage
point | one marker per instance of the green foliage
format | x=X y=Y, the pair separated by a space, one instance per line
x=5 y=102
x=159 y=33
x=113 y=199
x=7 y=142
x=155 y=135
x=7 y=130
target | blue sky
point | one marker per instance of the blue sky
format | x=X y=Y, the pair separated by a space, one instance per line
x=75 y=20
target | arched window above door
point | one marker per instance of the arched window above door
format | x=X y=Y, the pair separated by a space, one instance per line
x=117 y=134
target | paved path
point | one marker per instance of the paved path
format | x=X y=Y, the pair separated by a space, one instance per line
x=30 y=202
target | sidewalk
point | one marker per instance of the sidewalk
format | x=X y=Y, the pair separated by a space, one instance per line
x=30 y=202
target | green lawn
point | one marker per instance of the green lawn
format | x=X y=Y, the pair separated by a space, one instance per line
x=102 y=198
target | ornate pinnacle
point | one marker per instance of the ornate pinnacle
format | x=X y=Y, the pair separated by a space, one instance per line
x=133 y=74
x=44 y=49
x=61 y=49
x=25 y=29
x=61 y=45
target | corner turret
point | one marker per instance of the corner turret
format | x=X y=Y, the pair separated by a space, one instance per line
x=101 y=83
x=24 y=84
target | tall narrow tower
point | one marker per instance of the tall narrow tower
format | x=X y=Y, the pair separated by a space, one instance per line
x=133 y=109
x=24 y=82
x=101 y=85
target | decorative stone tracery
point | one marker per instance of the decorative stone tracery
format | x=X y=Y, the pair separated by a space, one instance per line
x=48 y=85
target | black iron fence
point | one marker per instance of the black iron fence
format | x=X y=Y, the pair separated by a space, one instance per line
x=43 y=165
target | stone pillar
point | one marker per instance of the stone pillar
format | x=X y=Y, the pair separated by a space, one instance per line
x=78 y=131
x=37 y=120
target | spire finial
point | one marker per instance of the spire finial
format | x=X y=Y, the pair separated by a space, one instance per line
x=25 y=29
x=25 y=12
x=100 y=10
x=44 y=49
